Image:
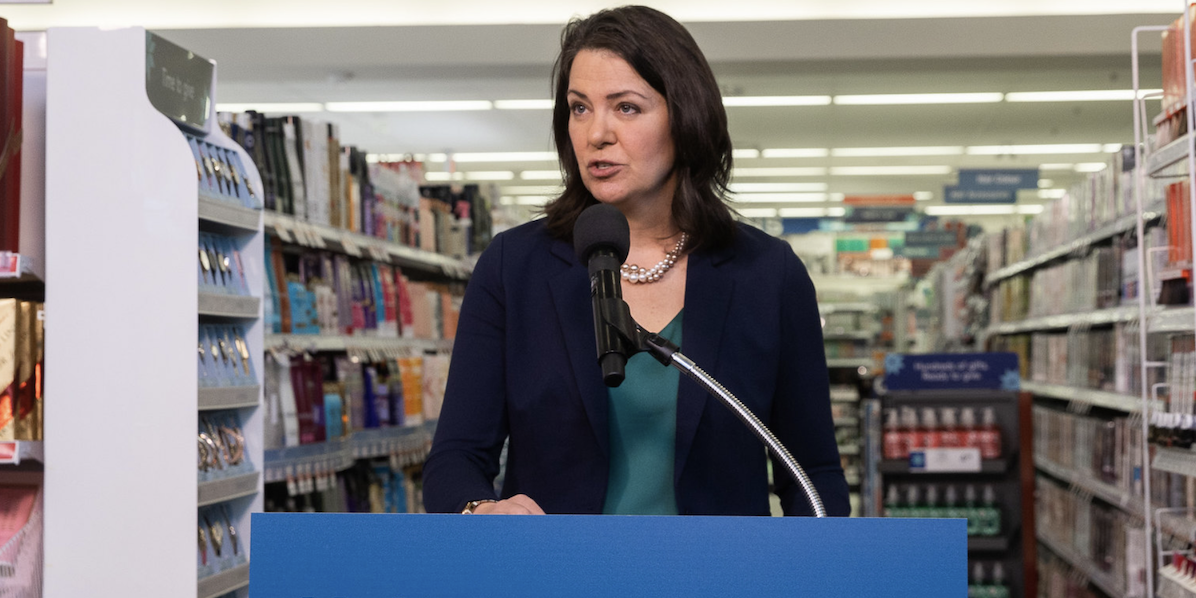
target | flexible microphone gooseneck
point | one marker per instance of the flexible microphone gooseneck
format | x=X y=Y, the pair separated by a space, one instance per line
x=602 y=239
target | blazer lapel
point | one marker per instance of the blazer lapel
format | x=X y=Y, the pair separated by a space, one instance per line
x=570 y=291
x=707 y=300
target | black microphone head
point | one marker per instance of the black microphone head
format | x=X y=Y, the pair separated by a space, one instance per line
x=601 y=226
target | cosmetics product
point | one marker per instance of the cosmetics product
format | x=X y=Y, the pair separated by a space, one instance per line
x=892 y=436
x=909 y=430
x=333 y=424
x=931 y=435
x=990 y=435
x=990 y=514
x=9 y=317
x=893 y=506
x=950 y=436
x=971 y=511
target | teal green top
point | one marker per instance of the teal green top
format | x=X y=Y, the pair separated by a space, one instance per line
x=643 y=434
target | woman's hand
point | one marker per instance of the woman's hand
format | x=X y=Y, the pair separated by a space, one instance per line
x=519 y=504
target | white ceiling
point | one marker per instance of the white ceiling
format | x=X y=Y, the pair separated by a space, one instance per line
x=458 y=50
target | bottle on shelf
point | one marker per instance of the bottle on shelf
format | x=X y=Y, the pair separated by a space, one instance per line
x=990 y=435
x=950 y=436
x=969 y=434
x=971 y=511
x=909 y=430
x=913 y=499
x=893 y=503
x=990 y=514
x=932 y=509
x=892 y=436
x=977 y=589
x=951 y=508
x=930 y=435
x=998 y=589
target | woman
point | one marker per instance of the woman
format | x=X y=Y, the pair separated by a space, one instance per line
x=639 y=124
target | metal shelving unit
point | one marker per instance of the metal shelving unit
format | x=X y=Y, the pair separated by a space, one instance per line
x=226 y=214
x=232 y=397
x=224 y=582
x=1097 y=398
x=290 y=229
x=229 y=306
x=339 y=454
x=218 y=491
x=1102 y=580
x=321 y=342
x=1106 y=492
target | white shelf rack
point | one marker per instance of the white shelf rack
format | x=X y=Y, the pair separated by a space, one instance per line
x=1112 y=315
x=229 y=397
x=224 y=582
x=1173 y=585
x=323 y=342
x=1098 y=398
x=1175 y=460
x=1102 y=580
x=229 y=306
x=1121 y=225
x=1106 y=492
x=228 y=215
x=1160 y=160
x=13 y=452
x=290 y=229
x=226 y=489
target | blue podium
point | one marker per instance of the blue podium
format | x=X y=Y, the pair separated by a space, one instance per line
x=299 y=555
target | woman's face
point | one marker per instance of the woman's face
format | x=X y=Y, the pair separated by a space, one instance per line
x=619 y=128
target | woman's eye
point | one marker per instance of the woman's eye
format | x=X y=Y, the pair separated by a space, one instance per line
x=577 y=109
x=628 y=108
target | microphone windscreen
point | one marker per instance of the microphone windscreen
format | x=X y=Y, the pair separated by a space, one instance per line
x=601 y=226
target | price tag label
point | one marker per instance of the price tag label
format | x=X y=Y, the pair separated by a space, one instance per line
x=9 y=454
x=10 y=264
x=945 y=460
x=317 y=239
x=283 y=233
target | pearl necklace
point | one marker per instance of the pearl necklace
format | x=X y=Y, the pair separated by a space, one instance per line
x=636 y=274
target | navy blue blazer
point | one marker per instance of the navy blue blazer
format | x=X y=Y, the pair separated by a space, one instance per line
x=525 y=365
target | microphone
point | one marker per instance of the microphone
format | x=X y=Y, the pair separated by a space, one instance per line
x=601 y=239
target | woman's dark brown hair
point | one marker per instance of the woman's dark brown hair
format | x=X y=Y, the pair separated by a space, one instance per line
x=666 y=56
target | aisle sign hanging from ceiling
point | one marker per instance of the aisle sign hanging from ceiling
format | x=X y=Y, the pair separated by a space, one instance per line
x=989 y=185
x=878 y=208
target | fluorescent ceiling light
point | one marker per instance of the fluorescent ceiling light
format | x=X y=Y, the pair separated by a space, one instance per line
x=1051 y=193
x=1094 y=95
x=983 y=210
x=775 y=187
x=444 y=176
x=540 y=175
x=780 y=171
x=1112 y=148
x=883 y=99
x=523 y=104
x=758 y=212
x=781 y=197
x=777 y=101
x=1045 y=183
x=797 y=152
x=745 y=154
x=532 y=190
x=489 y=175
x=496 y=157
x=1060 y=148
x=436 y=106
x=271 y=107
x=888 y=170
x=1091 y=166
x=923 y=195
x=524 y=200
x=810 y=212
x=871 y=152
x=1056 y=166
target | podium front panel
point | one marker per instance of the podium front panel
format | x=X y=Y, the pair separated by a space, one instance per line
x=317 y=555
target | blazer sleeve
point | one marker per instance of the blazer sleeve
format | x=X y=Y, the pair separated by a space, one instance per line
x=464 y=459
x=801 y=409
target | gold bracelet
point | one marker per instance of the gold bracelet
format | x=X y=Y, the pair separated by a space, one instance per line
x=473 y=504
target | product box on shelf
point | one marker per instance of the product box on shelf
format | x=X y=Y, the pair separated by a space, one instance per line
x=224 y=358
x=222 y=450
x=20 y=370
x=219 y=546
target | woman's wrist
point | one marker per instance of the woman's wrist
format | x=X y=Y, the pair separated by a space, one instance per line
x=472 y=506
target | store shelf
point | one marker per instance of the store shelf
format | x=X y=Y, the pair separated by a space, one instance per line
x=1098 y=398
x=229 y=215
x=845 y=395
x=321 y=342
x=1174 y=319
x=380 y=442
x=218 y=491
x=233 y=397
x=333 y=455
x=1106 y=492
x=1166 y=156
x=1177 y=525
x=1173 y=585
x=850 y=362
x=1102 y=580
x=847 y=421
x=988 y=544
x=988 y=466
x=16 y=268
x=1113 y=315
x=224 y=582
x=1116 y=227
x=13 y=452
x=289 y=229
x=838 y=308
x=849 y=449
x=229 y=306
x=1173 y=460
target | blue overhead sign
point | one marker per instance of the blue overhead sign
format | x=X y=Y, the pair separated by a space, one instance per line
x=945 y=371
x=958 y=194
x=999 y=179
